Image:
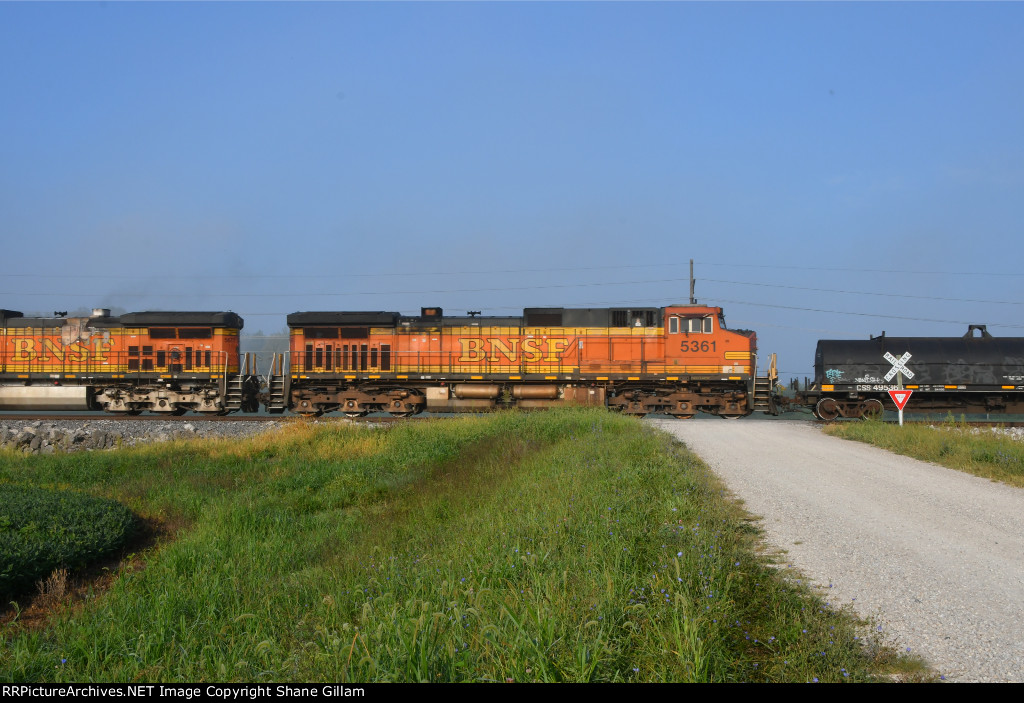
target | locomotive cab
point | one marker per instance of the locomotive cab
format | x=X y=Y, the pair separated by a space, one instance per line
x=697 y=339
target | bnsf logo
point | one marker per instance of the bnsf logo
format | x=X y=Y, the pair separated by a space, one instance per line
x=513 y=350
x=27 y=349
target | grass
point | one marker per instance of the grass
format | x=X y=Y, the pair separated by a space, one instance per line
x=558 y=546
x=42 y=531
x=952 y=444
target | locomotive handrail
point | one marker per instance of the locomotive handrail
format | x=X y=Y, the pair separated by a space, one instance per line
x=115 y=363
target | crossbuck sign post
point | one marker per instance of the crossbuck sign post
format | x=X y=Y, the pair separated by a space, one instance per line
x=899 y=369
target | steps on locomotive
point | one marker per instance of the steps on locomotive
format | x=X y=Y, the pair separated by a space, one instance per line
x=764 y=398
x=764 y=389
x=276 y=400
x=241 y=390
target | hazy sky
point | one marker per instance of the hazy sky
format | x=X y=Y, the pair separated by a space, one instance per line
x=834 y=169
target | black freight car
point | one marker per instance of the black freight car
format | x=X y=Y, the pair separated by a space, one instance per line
x=969 y=374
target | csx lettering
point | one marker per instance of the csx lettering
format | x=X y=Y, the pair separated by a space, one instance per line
x=477 y=349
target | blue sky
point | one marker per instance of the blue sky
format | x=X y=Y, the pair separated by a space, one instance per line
x=269 y=157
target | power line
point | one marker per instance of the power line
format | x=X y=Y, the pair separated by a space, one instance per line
x=559 y=269
x=345 y=294
x=863 y=314
x=321 y=294
x=862 y=270
x=857 y=292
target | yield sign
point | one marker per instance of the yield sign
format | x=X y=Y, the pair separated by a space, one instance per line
x=900 y=398
x=898 y=366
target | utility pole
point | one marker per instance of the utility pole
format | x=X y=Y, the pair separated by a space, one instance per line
x=693 y=300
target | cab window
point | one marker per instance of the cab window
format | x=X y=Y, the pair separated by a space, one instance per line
x=701 y=325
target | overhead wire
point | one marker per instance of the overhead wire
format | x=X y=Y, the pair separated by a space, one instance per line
x=488 y=272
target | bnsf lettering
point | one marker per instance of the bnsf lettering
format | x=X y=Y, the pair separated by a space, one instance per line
x=29 y=350
x=477 y=349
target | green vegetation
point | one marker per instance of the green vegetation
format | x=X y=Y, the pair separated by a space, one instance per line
x=559 y=546
x=42 y=531
x=952 y=444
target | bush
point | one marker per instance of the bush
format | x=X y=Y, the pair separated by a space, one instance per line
x=42 y=530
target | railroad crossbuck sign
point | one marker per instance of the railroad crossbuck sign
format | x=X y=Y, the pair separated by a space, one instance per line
x=900 y=398
x=898 y=366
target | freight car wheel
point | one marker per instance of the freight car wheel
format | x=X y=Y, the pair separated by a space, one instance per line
x=873 y=409
x=827 y=409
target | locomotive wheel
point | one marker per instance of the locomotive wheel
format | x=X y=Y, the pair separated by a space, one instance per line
x=873 y=409
x=357 y=413
x=827 y=409
x=731 y=417
x=684 y=417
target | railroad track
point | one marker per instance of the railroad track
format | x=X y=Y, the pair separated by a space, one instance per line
x=21 y=417
x=85 y=416
x=141 y=418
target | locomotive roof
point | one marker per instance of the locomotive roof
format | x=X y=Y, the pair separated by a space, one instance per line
x=216 y=319
x=21 y=322
x=531 y=317
x=298 y=319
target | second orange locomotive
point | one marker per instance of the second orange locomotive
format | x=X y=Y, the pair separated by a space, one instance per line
x=678 y=360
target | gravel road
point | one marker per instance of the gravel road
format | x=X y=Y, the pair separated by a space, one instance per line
x=935 y=556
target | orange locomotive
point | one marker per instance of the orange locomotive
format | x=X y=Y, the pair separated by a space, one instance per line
x=168 y=362
x=678 y=360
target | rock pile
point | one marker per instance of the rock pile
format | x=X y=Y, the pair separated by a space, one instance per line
x=47 y=437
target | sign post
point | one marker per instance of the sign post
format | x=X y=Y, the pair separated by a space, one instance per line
x=900 y=397
x=899 y=367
